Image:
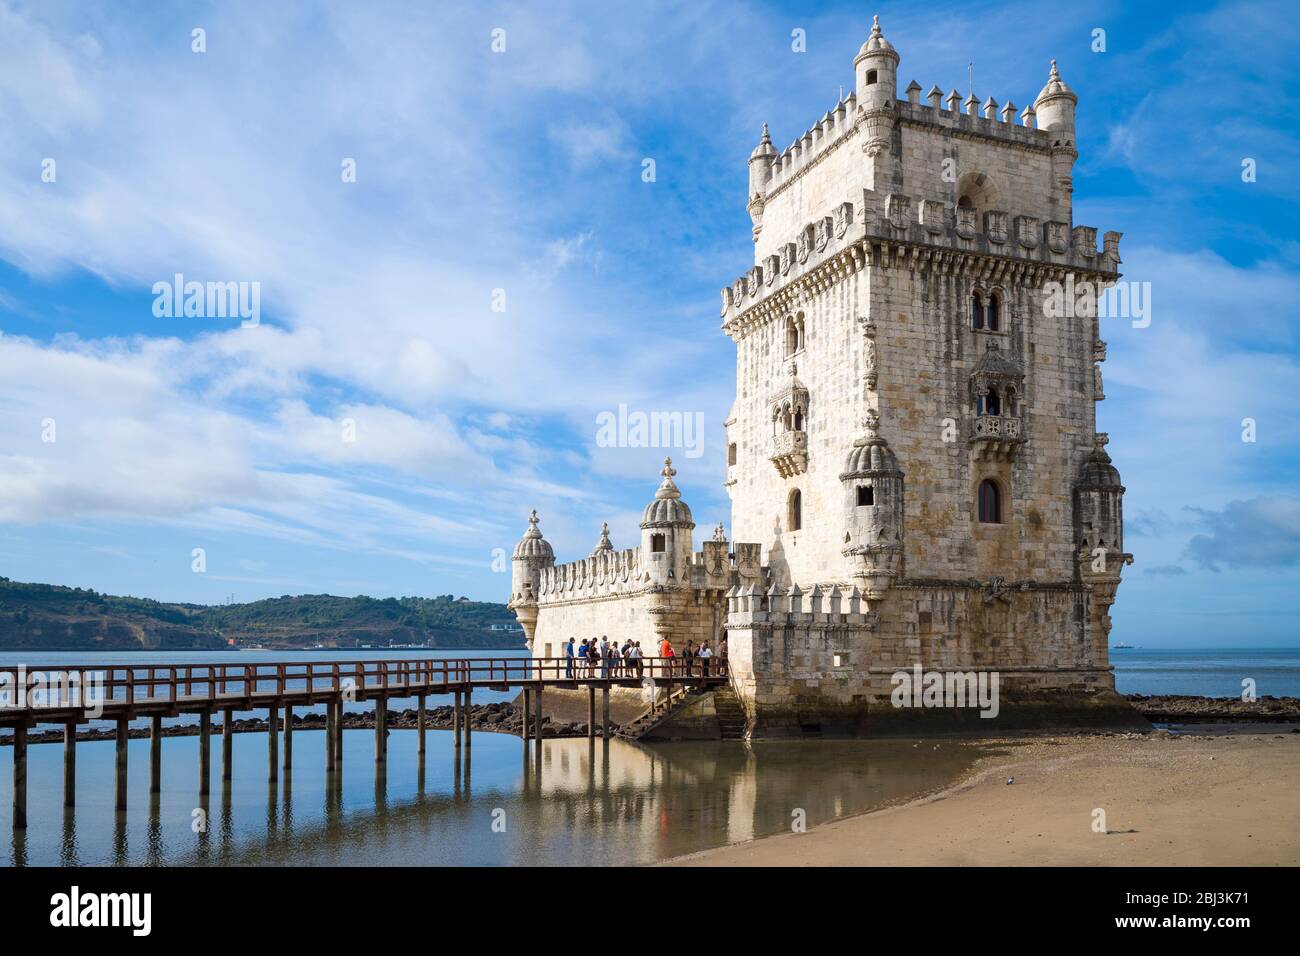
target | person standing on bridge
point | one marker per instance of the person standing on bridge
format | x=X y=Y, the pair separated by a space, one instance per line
x=688 y=656
x=704 y=655
x=568 y=660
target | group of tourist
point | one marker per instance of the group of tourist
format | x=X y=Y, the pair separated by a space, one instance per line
x=604 y=658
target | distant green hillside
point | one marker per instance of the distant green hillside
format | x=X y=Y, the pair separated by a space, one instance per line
x=52 y=617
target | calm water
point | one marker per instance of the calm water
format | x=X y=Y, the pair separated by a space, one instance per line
x=584 y=802
x=1213 y=672
x=578 y=802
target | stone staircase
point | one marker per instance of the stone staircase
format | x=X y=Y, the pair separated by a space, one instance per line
x=730 y=715
x=660 y=713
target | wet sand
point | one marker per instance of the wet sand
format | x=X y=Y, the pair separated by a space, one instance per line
x=1184 y=800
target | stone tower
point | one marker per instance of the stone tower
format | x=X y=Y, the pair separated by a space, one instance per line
x=932 y=472
x=916 y=480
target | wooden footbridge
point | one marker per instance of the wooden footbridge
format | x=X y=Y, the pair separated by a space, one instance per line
x=74 y=695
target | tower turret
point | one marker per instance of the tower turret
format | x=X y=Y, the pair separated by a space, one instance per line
x=873 y=511
x=760 y=172
x=1099 y=528
x=532 y=554
x=666 y=525
x=1054 y=109
x=876 y=70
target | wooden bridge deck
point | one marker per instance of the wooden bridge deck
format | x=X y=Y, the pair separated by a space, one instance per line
x=76 y=694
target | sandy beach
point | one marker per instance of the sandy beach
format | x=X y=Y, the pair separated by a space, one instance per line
x=1212 y=799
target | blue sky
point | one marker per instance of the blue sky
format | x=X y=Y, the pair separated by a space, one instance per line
x=522 y=171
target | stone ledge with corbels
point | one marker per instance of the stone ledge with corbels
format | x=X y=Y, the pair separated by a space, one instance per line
x=824 y=247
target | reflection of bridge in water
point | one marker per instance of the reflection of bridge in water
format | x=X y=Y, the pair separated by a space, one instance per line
x=73 y=695
x=560 y=801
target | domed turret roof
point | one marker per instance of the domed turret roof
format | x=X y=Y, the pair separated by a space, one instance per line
x=532 y=544
x=871 y=456
x=667 y=509
x=764 y=147
x=876 y=43
x=1055 y=87
x=1098 y=473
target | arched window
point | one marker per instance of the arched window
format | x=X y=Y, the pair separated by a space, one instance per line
x=993 y=316
x=990 y=502
x=791 y=337
x=798 y=419
x=976 y=312
x=796 y=510
x=989 y=404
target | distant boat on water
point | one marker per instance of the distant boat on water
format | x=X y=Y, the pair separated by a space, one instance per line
x=1121 y=647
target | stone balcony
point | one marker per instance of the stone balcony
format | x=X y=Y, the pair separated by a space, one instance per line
x=790 y=452
x=997 y=436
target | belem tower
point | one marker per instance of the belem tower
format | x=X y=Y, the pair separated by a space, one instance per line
x=915 y=475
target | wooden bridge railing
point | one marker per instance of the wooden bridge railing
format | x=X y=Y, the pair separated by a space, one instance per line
x=28 y=688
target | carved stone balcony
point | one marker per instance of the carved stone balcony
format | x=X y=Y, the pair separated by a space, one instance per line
x=790 y=452
x=997 y=436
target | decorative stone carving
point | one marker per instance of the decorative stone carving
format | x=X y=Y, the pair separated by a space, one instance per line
x=1085 y=241
x=930 y=213
x=825 y=227
x=787 y=255
x=965 y=222
x=771 y=265
x=843 y=217
x=899 y=210
x=805 y=242
x=869 y=359
x=995 y=226
x=726 y=299
x=1027 y=229
x=1058 y=236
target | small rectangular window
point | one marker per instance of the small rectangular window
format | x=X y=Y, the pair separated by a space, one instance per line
x=871 y=77
x=657 y=543
x=731 y=453
x=866 y=496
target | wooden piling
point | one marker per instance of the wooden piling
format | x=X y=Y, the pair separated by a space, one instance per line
x=227 y=734
x=329 y=736
x=537 y=716
x=468 y=717
x=528 y=704
x=381 y=730
x=20 y=777
x=338 y=735
x=119 y=786
x=272 y=744
x=205 y=752
x=455 y=718
x=591 y=710
x=419 y=724
x=288 y=736
x=155 y=753
x=70 y=764
x=604 y=712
